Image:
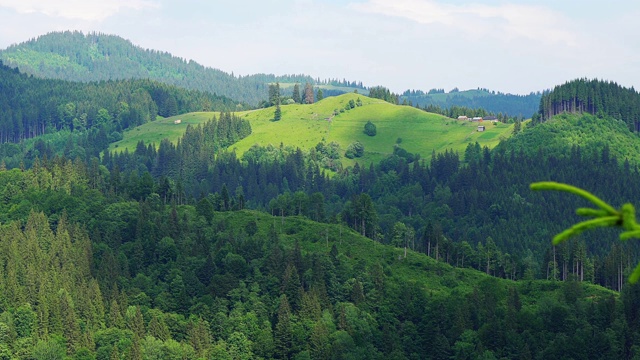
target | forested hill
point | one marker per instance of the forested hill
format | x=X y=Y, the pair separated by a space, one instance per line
x=593 y=96
x=75 y=56
x=513 y=105
x=30 y=106
x=90 y=275
x=602 y=135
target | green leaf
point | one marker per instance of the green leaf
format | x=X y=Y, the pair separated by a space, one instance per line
x=552 y=185
x=635 y=275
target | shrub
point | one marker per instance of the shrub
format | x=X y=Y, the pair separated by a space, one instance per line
x=354 y=150
x=370 y=129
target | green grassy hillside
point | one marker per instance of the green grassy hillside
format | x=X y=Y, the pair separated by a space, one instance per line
x=305 y=126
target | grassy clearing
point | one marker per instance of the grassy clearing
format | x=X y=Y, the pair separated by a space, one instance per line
x=305 y=126
x=153 y=132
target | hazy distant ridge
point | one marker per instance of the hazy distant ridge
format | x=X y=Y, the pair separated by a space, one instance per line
x=93 y=57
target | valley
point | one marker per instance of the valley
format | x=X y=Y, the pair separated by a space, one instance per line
x=153 y=208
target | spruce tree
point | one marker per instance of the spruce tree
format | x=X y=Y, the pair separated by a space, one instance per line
x=277 y=115
x=283 y=335
x=296 y=94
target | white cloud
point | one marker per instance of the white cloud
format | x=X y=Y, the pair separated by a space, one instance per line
x=505 y=21
x=88 y=10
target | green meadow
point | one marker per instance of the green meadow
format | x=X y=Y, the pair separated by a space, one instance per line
x=305 y=126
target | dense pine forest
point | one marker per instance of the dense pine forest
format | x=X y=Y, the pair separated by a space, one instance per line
x=187 y=250
x=593 y=96
x=32 y=107
x=100 y=277
x=475 y=213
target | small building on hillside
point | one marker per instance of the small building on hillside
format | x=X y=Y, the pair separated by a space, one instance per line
x=177 y=121
x=462 y=117
x=491 y=118
x=477 y=118
x=481 y=128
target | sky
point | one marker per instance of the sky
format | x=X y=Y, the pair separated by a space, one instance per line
x=509 y=46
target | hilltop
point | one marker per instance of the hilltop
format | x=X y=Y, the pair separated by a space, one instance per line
x=564 y=131
x=75 y=56
x=305 y=126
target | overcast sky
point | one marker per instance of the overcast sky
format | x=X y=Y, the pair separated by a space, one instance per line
x=508 y=46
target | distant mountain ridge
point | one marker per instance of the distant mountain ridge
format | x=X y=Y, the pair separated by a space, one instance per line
x=74 y=56
x=495 y=102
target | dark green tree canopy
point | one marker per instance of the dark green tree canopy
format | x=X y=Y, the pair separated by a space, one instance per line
x=370 y=129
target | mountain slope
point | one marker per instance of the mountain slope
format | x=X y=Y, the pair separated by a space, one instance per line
x=30 y=106
x=188 y=282
x=94 y=57
x=305 y=126
x=562 y=132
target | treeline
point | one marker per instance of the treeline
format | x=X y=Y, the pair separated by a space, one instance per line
x=189 y=159
x=593 y=96
x=381 y=92
x=33 y=107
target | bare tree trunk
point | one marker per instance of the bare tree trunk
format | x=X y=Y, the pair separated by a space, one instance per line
x=555 y=264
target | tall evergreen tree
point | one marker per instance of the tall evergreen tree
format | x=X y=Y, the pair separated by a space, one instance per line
x=277 y=115
x=296 y=94
x=274 y=94
x=283 y=335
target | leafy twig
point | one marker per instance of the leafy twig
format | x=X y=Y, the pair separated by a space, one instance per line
x=604 y=215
